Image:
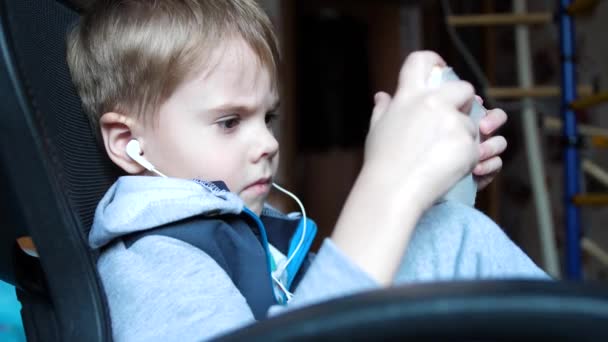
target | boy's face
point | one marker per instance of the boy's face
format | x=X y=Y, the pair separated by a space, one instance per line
x=218 y=126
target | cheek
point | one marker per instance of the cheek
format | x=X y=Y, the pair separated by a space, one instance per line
x=275 y=162
x=219 y=165
x=190 y=152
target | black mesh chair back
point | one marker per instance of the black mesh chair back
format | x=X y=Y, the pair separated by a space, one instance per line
x=52 y=174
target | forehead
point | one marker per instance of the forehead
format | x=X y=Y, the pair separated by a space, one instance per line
x=234 y=70
x=230 y=78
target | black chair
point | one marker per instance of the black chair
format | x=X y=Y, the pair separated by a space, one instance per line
x=52 y=175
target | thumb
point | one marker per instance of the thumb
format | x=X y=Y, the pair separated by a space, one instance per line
x=381 y=100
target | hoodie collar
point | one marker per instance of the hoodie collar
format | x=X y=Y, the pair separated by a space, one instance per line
x=137 y=203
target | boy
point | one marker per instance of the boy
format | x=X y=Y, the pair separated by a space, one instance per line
x=188 y=89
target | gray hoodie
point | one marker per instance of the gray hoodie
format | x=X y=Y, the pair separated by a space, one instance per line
x=162 y=288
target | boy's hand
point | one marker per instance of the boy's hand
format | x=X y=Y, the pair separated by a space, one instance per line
x=418 y=146
x=420 y=138
x=490 y=148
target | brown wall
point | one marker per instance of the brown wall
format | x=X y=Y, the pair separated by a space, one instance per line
x=324 y=178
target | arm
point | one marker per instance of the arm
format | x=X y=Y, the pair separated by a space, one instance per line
x=153 y=298
x=418 y=146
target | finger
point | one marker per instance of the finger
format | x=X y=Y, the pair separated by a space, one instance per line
x=479 y=99
x=470 y=127
x=456 y=94
x=416 y=70
x=483 y=182
x=493 y=120
x=460 y=121
x=381 y=103
x=488 y=167
x=492 y=147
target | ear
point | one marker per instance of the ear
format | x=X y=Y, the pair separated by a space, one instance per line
x=116 y=132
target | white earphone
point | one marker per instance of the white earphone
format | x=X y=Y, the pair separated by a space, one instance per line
x=134 y=152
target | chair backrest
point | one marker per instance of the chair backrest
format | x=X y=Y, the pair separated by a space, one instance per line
x=52 y=174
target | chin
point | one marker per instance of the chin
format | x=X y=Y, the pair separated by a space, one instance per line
x=254 y=206
x=257 y=208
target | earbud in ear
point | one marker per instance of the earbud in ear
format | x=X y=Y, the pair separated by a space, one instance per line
x=134 y=152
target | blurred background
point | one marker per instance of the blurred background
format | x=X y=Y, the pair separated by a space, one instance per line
x=338 y=53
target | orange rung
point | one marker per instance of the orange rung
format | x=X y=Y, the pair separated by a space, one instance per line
x=591 y=199
x=582 y=7
x=589 y=101
x=599 y=141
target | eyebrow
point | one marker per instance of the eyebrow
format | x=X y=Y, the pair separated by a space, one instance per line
x=243 y=108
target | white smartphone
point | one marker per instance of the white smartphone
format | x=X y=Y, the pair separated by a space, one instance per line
x=465 y=191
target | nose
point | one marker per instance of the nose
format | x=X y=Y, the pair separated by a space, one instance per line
x=267 y=145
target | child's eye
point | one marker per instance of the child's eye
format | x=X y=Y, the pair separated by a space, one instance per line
x=229 y=123
x=271 y=118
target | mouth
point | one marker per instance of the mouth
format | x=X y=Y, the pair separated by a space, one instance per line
x=261 y=186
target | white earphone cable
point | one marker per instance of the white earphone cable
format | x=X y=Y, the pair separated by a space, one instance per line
x=280 y=271
x=288 y=294
x=134 y=151
x=158 y=173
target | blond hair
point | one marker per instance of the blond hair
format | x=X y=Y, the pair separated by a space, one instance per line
x=129 y=56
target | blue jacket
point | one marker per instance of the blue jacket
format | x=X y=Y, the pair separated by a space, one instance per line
x=185 y=260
